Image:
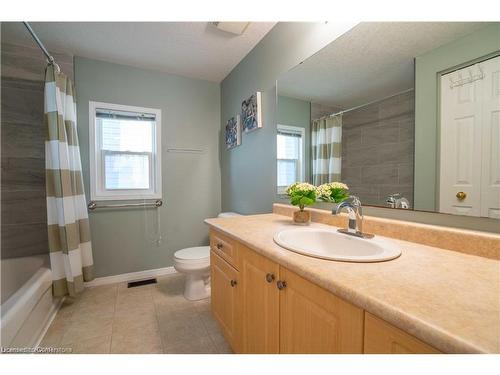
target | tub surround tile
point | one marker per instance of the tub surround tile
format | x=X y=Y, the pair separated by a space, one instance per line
x=28 y=63
x=24 y=229
x=22 y=103
x=445 y=298
x=24 y=207
x=25 y=140
x=20 y=240
x=379 y=137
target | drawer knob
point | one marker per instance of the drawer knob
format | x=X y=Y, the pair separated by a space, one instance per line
x=219 y=246
x=461 y=195
x=233 y=283
x=270 y=277
x=281 y=284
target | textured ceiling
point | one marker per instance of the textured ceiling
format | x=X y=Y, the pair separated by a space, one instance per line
x=191 y=49
x=369 y=62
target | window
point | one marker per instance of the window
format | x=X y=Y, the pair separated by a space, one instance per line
x=125 y=146
x=290 y=155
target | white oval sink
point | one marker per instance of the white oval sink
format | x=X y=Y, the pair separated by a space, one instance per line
x=330 y=244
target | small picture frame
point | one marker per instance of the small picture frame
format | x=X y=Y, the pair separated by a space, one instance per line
x=233 y=132
x=251 y=113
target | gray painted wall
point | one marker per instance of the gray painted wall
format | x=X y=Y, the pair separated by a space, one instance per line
x=249 y=171
x=122 y=239
x=427 y=70
x=296 y=112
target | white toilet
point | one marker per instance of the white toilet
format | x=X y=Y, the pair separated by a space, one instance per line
x=194 y=262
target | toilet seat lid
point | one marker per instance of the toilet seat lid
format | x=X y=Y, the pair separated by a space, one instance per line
x=193 y=253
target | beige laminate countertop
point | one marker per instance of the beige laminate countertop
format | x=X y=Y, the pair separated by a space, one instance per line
x=447 y=299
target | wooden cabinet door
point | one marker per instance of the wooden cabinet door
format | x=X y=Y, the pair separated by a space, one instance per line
x=383 y=338
x=260 y=303
x=313 y=320
x=225 y=299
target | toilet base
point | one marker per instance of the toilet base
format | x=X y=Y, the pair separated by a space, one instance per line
x=196 y=287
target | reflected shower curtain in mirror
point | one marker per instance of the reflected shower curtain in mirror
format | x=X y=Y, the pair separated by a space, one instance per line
x=326 y=138
x=67 y=218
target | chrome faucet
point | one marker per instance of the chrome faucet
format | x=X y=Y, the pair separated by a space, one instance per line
x=355 y=212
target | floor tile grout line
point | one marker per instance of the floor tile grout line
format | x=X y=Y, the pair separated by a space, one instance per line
x=163 y=349
x=207 y=330
x=113 y=322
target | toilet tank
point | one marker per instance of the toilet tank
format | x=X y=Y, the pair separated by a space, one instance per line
x=228 y=214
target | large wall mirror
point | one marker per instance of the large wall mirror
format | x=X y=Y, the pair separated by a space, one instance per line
x=406 y=114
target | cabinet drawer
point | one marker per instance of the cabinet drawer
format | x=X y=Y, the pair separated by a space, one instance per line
x=225 y=247
x=383 y=338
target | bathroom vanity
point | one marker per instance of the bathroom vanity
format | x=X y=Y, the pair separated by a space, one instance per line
x=271 y=300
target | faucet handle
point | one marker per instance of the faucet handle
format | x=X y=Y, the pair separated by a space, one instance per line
x=354 y=200
x=359 y=208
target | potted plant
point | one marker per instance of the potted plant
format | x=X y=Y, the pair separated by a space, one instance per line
x=302 y=194
x=333 y=192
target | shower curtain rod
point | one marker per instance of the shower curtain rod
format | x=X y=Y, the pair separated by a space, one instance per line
x=50 y=58
x=372 y=102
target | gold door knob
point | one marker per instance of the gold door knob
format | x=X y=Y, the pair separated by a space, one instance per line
x=461 y=195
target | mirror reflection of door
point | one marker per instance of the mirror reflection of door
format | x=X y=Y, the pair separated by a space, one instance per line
x=470 y=140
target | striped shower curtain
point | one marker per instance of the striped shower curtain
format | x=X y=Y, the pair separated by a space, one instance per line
x=326 y=150
x=67 y=218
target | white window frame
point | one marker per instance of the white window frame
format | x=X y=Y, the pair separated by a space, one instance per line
x=299 y=130
x=98 y=192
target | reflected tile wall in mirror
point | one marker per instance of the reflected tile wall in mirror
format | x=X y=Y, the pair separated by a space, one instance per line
x=377 y=149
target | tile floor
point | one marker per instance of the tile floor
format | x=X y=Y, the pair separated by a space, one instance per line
x=153 y=318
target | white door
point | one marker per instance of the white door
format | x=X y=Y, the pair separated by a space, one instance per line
x=470 y=131
x=490 y=180
x=461 y=112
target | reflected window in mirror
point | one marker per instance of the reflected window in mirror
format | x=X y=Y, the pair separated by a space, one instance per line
x=290 y=156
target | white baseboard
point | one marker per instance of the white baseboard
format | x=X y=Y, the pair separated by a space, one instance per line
x=132 y=276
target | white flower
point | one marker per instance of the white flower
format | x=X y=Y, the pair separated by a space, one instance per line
x=332 y=191
x=302 y=187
